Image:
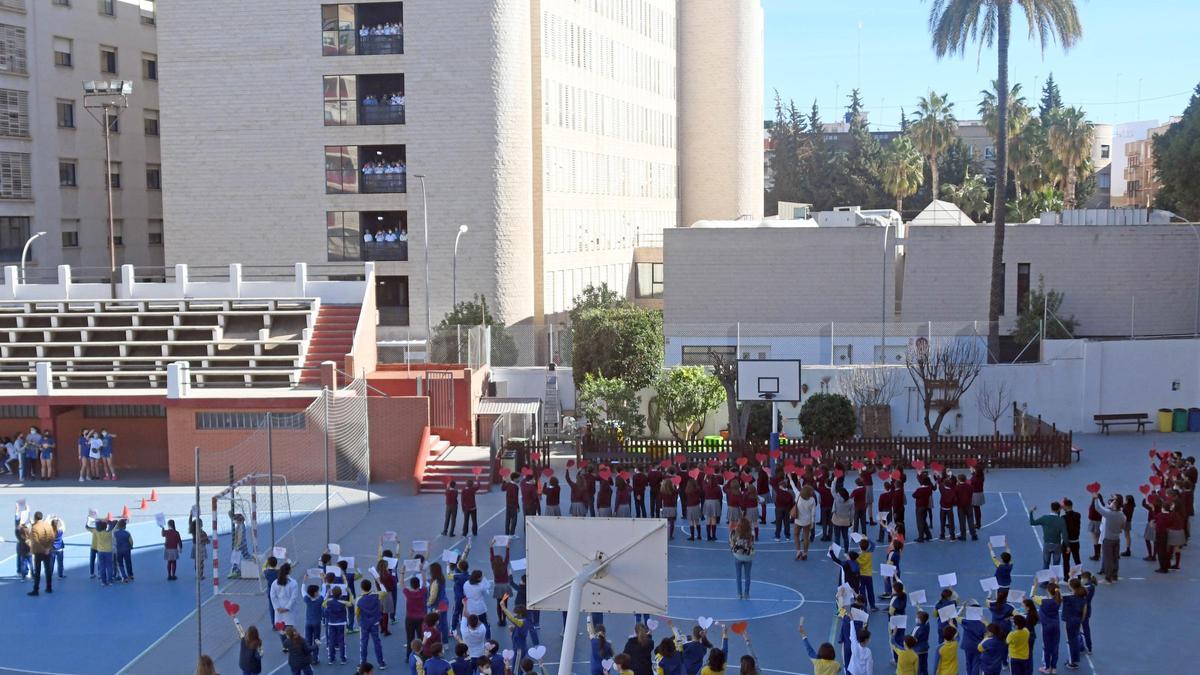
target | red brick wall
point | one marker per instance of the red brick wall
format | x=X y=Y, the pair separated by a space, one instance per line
x=396 y=426
x=140 y=443
x=397 y=380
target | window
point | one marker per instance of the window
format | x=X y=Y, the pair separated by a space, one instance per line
x=153 y=177
x=14 y=5
x=342 y=236
x=118 y=232
x=66 y=114
x=14 y=113
x=220 y=421
x=70 y=233
x=702 y=355
x=649 y=280
x=15 y=176
x=337 y=30
x=108 y=7
x=108 y=60
x=148 y=13
x=341 y=169
x=1104 y=181
x=149 y=67
x=341 y=100
x=61 y=3
x=14 y=230
x=1022 y=288
x=150 y=122
x=66 y=173
x=1105 y=151
x=154 y=231
x=114 y=174
x=989 y=154
x=12 y=49
x=63 y=48
x=103 y=411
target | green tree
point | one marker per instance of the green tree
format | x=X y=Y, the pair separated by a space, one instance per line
x=971 y=196
x=596 y=297
x=685 y=397
x=1019 y=112
x=1070 y=138
x=1046 y=304
x=954 y=24
x=1177 y=162
x=828 y=417
x=933 y=130
x=624 y=342
x=1051 y=97
x=861 y=159
x=1034 y=204
x=450 y=335
x=1025 y=161
x=610 y=403
x=901 y=170
x=956 y=163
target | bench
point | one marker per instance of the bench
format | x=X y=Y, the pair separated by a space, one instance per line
x=1077 y=451
x=1111 y=419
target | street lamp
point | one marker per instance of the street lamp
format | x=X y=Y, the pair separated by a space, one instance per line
x=462 y=229
x=25 y=252
x=110 y=97
x=425 y=225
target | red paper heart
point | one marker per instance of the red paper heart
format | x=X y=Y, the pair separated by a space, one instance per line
x=477 y=470
x=722 y=456
x=232 y=608
x=1144 y=489
x=806 y=461
x=760 y=457
x=776 y=454
x=742 y=461
x=871 y=454
x=897 y=475
x=583 y=464
x=694 y=473
x=605 y=473
x=1093 y=488
x=547 y=472
x=739 y=627
x=714 y=462
x=886 y=461
x=1155 y=480
x=937 y=468
x=505 y=471
x=747 y=478
x=918 y=465
x=856 y=465
x=526 y=471
x=676 y=480
x=624 y=475
x=1152 y=453
x=680 y=458
x=816 y=454
x=789 y=462
x=666 y=464
x=728 y=475
x=535 y=456
x=570 y=463
x=710 y=470
x=279 y=626
x=839 y=473
x=971 y=462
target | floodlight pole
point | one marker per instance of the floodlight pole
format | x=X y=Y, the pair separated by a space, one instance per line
x=112 y=103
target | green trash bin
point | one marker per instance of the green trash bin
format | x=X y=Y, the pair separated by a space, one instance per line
x=1164 y=420
x=1180 y=419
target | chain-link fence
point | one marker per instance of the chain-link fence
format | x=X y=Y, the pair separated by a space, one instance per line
x=298 y=480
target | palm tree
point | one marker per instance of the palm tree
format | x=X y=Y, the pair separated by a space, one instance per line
x=932 y=131
x=1019 y=112
x=956 y=23
x=902 y=170
x=1025 y=157
x=1070 y=138
x=971 y=196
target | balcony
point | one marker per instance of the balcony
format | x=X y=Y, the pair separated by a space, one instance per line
x=377 y=45
x=393 y=316
x=377 y=113
x=385 y=250
x=381 y=183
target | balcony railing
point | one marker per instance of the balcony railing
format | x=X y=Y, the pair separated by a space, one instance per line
x=381 y=113
x=385 y=250
x=372 y=45
x=373 y=183
x=393 y=316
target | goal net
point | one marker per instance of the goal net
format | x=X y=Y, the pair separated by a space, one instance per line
x=245 y=518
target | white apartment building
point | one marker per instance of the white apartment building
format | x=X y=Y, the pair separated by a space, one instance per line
x=551 y=128
x=51 y=149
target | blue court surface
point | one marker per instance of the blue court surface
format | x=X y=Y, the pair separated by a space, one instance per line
x=102 y=630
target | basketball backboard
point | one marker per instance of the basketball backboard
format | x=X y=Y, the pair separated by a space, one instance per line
x=768 y=380
x=634 y=580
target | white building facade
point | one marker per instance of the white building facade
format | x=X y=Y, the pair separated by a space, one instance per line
x=548 y=127
x=52 y=151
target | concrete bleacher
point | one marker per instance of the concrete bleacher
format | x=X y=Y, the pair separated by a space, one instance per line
x=87 y=343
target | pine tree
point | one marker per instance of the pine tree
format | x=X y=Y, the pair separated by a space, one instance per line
x=861 y=160
x=1051 y=98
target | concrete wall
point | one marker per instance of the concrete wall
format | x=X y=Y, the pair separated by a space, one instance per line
x=396 y=427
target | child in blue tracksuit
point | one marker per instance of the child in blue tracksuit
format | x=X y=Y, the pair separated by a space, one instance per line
x=1049 y=619
x=314 y=606
x=949 y=597
x=973 y=632
x=370 y=611
x=602 y=649
x=866 y=573
x=992 y=651
x=123 y=551
x=1074 y=611
x=59 y=546
x=336 y=611
x=270 y=574
x=348 y=579
x=921 y=634
x=462 y=573
x=462 y=664
x=694 y=651
x=844 y=631
x=1089 y=585
x=535 y=616
x=898 y=606
x=519 y=628
x=1004 y=566
x=495 y=657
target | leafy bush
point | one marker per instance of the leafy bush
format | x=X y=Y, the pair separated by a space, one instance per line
x=827 y=416
x=608 y=404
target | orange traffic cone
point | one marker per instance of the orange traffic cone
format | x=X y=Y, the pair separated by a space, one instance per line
x=109 y=518
x=125 y=513
x=143 y=506
x=154 y=495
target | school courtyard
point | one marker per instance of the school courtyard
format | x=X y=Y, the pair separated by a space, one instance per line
x=150 y=625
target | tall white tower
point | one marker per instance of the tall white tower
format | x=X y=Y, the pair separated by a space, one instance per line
x=720 y=81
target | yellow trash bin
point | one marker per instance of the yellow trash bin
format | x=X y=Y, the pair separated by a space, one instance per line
x=1165 y=416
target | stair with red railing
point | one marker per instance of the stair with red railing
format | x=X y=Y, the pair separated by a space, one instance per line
x=460 y=463
x=332 y=338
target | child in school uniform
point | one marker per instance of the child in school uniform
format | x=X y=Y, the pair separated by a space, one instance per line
x=1089 y=585
x=903 y=650
x=313 y=608
x=519 y=628
x=462 y=573
x=973 y=632
x=866 y=571
x=336 y=612
x=462 y=664
x=367 y=607
x=898 y=606
x=1004 y=566
x=948 y=598
x=251 y=650
x=824 y=658
x=992 y=651
x=1019 y=649
x=1048 y=617
x=892 y=557
x=947 y=660
x=693 y=651
x=921 y=635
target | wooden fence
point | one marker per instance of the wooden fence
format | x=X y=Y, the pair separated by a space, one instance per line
x=999 y=451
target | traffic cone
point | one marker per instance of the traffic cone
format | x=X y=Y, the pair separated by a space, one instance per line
x=154 y=495
x=125 y=513
x=143 y=506
x=109 y=518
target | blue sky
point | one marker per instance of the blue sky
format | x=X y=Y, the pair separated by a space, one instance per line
x=812 y=51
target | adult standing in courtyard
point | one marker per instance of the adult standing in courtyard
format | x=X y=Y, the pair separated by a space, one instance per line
x=284 y=594
x=41 y=545
x=1054 y=533
x=741 y=544
x=1110 y=545
x=106 y=453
